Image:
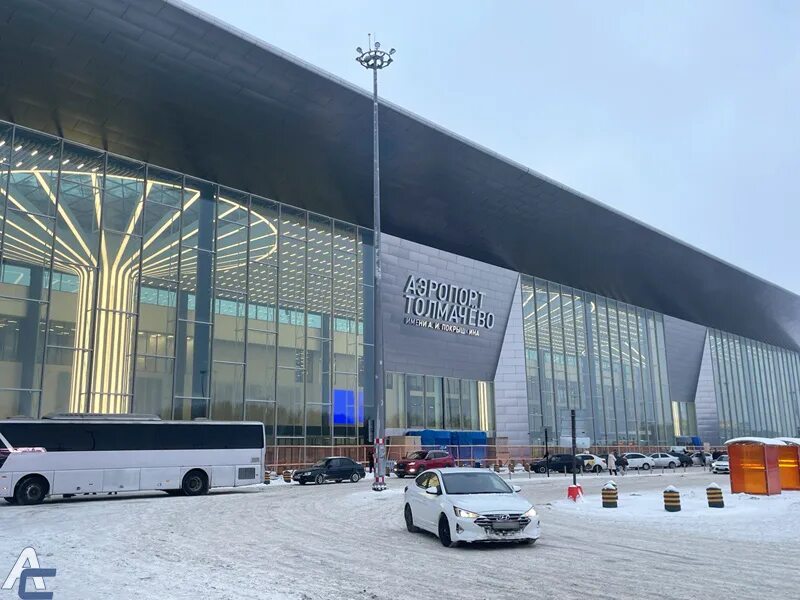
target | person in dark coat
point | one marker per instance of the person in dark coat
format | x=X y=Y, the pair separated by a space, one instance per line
x=622 y=464
x=371 y=460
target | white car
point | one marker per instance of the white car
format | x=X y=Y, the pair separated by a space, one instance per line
x=662 y=459
x=639 y=461
x=592 y=462
x=721 y=465
x=696 y=458
x=469 y=505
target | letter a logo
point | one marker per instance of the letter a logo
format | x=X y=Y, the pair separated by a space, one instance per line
x=27 y=560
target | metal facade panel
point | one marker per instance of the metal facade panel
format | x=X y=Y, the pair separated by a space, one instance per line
x=706 y=400
x=684 y=343
x=412 y=349
x=157 y=81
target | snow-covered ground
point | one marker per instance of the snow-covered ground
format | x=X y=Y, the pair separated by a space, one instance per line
x=344 y=541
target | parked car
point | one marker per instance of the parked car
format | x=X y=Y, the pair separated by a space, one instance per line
x=422 y=460
x=696 y=458
x=721 y=465
x=333 y=468
x=639 y=461
x=469 y=505
x=685 y=460
x=558 y=462
x=594 y=463
x=664 y=459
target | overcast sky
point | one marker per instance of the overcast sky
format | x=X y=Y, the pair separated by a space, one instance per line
x=685 y=115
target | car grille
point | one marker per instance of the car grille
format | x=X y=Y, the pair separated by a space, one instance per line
x=503 y=521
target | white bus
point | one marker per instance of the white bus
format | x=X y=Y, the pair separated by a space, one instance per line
x=73 y=455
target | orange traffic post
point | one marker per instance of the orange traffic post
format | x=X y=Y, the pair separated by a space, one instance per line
x=754 y=465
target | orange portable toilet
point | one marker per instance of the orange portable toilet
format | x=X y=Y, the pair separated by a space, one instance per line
x=754 y=465
x=789 y=463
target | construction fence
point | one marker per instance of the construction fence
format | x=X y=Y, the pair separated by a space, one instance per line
x=280 y=458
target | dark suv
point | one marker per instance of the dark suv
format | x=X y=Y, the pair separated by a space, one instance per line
x=558 y=462
x=417 y=462
x=336 y=468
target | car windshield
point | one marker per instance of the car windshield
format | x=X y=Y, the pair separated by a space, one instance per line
x=319 y=463
x=418 y=455
x=724 y=457
x=474 y=483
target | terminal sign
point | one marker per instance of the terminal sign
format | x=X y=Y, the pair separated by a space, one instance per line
x=445 y=307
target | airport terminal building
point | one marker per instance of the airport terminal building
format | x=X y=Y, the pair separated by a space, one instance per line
x=187 y=230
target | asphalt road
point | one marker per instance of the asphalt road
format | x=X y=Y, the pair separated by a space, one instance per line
x=343 y=541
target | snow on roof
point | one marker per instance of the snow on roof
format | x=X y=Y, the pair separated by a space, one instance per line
x=756 y=440
x=790 y=440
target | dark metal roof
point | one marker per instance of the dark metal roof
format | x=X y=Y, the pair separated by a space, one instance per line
x=160 y=82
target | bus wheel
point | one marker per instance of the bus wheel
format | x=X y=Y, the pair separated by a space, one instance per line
x=195 y=483
x=31 y=490
x=10 y=499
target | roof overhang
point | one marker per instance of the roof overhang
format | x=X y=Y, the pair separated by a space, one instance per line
x=160 y=82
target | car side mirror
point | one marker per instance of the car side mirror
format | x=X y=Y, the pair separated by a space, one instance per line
x=516 y=488
x=433 y=490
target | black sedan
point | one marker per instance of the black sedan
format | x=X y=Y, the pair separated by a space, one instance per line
x=333 y=468
x=558 y=462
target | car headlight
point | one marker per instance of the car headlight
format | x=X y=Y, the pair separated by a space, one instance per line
x=530 y=513
x=465 y=514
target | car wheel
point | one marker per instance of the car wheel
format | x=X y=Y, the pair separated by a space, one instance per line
x=410 y=520
x=319 y=479
x=597 y=469
x=444 y=532
x=10 y=499
x=301 y=481
x=355 y=477
x=195 y=483
x=338 y=481
x=31 y=490
x=541 y=469
x=646 y=467
x=672 y=465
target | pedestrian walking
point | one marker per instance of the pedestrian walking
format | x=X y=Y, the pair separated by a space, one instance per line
x=612 y=464
x=371 y=460
x=622 y=464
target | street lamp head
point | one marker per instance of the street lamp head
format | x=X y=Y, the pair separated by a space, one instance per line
x=374 y=58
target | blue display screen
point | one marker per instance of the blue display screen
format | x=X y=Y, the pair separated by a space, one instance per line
x=345 y=411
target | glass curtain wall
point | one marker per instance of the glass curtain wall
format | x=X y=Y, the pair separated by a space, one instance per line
x=756 y=387
x=603 y=358
x=127 y=288
x=430 y=402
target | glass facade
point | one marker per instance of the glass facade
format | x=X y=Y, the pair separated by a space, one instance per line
x=429 y=402
x=128 y=288
x=603 y=358
x=756 y=387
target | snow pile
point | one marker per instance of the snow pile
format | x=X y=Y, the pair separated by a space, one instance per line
x=745 y=517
